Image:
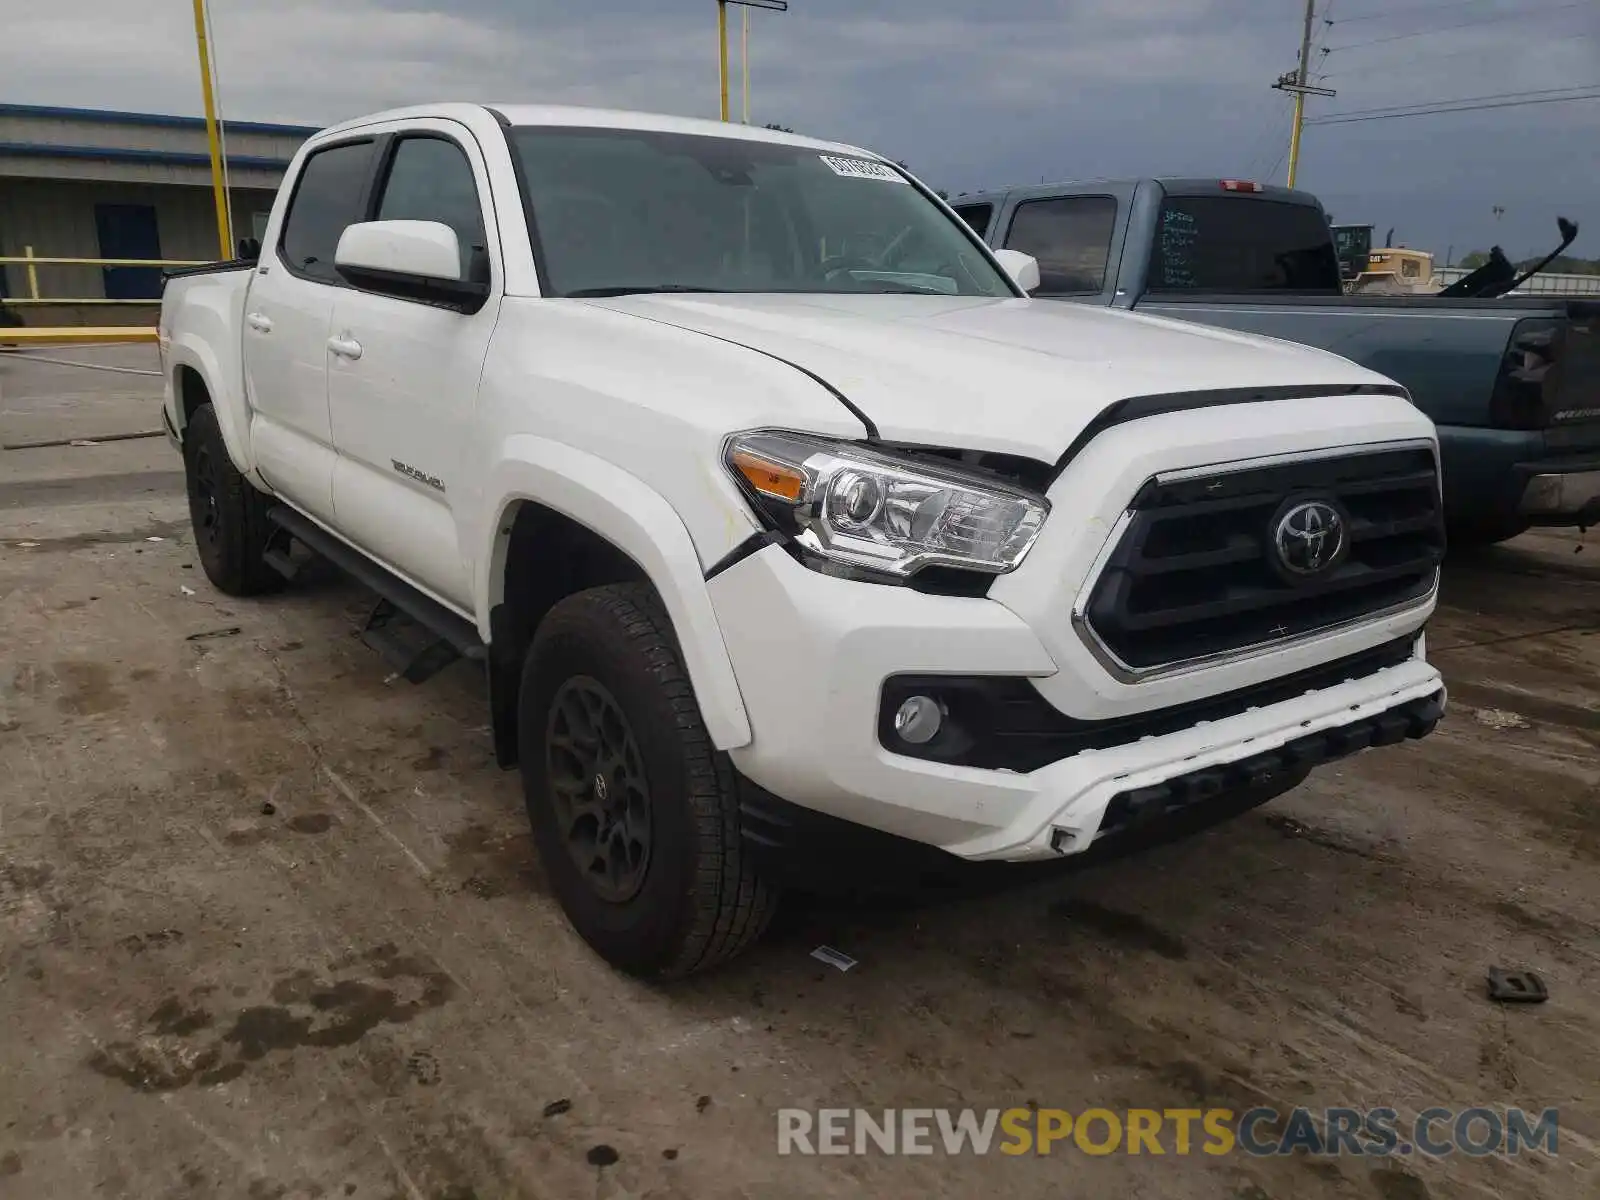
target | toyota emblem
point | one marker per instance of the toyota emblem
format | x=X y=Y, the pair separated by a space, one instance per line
x=1309 y=537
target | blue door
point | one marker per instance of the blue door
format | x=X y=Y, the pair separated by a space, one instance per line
x=129 y=231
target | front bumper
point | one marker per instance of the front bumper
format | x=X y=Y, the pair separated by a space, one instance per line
x=812 y=652
x=1562 y=497
x=1503 y=474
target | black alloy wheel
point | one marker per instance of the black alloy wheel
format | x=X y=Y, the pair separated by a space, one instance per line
x=598 y=789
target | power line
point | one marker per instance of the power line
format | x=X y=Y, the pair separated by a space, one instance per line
x=1389 y=64
x=1518 y=16
x=1317 y=39
x=1282 y=154
x=1276 y=134
x=1406 y=12
x=1361 y=112
x=1455 y=106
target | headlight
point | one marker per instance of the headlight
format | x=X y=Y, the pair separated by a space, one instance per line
x=872 y=510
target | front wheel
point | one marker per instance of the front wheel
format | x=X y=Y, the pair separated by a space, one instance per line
x=634 y=812
x=228 y=514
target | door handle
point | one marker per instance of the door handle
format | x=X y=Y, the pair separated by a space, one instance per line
x=260 y=322
x=345 y=347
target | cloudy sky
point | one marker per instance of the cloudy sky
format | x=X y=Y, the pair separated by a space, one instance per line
x=1033 y=89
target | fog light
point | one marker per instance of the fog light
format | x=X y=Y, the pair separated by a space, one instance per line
x=918 y=720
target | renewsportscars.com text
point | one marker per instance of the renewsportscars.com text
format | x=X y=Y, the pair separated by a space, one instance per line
x=1375 y=1132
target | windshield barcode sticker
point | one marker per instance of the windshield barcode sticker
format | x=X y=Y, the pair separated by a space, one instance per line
x=860 y=168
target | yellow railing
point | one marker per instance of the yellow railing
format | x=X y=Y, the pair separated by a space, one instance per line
x=38 y=335
x=41 y=335
x=32 y=262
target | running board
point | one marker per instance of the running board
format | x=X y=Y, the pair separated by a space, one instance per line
x=416 y=659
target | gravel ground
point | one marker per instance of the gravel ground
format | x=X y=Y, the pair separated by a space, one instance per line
x=271 y=925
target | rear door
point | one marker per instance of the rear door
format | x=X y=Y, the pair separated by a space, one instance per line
x=286 y=321
x=403 y=378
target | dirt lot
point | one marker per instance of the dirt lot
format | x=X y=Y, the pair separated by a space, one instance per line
x=271 y=926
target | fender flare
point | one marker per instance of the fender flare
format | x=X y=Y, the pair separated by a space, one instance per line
x=191 y=351
x=640 y=522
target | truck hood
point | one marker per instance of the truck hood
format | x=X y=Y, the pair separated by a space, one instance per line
x=1003 y=375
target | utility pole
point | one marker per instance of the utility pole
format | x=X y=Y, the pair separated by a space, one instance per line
x=744 y=56
x=722 y=46
x=1295 y=82
x=722 y=54
x=1300 y=97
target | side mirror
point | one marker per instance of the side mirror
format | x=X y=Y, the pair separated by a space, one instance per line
x=414 y=260
x=249 y=249
x=1023 y=268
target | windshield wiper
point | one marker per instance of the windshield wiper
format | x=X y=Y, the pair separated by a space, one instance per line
x=906 y=289
x=638 y=289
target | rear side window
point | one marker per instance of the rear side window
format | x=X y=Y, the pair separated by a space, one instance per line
x=976 y=215
x=430 y=179
x=1240 y=244
x=326 y=200
x=1071 y=238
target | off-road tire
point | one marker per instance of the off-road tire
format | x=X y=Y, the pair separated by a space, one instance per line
x=228 y=514
x=700 y=901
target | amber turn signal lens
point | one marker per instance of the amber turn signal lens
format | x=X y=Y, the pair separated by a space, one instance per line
x=770 y=478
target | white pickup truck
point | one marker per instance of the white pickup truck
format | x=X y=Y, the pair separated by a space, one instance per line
x=789 y=532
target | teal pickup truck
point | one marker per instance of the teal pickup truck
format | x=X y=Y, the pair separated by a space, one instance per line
x=1512 y=383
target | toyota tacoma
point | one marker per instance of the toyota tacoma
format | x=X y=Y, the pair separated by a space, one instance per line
x=777 y=515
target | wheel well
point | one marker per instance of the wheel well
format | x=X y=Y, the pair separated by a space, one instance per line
x=192 y=394
x=548 y=557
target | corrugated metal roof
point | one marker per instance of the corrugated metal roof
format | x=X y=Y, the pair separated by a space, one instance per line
x=169 y=158
x=151 y=120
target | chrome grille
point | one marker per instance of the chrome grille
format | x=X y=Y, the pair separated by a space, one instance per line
x=1196 y=573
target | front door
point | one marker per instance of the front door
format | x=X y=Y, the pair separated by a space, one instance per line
x=287 y=315
x=129 y=231
x=403 y=377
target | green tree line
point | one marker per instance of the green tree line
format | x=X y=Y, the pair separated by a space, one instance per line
x=1562 y=264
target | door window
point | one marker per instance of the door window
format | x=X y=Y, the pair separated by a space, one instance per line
x=327 y=199
x=430 y=179
x=1071 y=238
x=976 y=215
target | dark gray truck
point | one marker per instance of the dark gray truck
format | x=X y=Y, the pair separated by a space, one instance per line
x=1512 y=383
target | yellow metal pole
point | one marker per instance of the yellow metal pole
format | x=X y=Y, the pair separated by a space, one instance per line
x=1301 y=77
x=1294 y=137
x=744 y=57
x=219 y=191
x=722 y=52
x=33 y=274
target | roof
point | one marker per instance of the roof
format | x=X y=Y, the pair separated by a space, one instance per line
x=1172 y=185
x=166 y=158
x=602 y=118
x=149 y=120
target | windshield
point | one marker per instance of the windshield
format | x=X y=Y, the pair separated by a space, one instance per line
x=628 y=210
x=1240 y=244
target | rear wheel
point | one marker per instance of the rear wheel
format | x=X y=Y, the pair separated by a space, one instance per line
x=634 y=812
x=228 y=514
